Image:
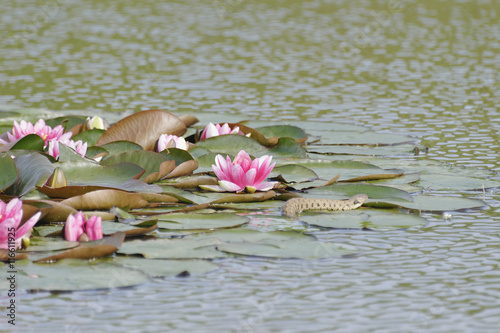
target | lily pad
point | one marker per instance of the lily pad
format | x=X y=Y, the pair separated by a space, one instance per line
x=90 y=136
x=173 y=248
x=104 y=200
x=38 y=244
x=34 y=170
x=340 y=191
x=451 y=182
x=294 y=173
x=429 y=203
x=164 y=268
x=365 y=219
x=72 y=274
x=232 y=144
x=9 y=172
x=90 y=250
x=143 y=128
x=118 y=147
x=281 y=131
x=198 y=221
x=289 y=249
x=156 y=165
x=240 y=235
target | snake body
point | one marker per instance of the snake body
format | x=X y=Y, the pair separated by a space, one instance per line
x=296 y=205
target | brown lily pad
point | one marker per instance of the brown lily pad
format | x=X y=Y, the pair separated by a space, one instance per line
x=104 y=200
x=90 y=250
x=144 y=128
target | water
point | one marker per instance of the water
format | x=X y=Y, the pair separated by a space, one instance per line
x=429 y=69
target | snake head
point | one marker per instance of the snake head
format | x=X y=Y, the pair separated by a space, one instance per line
x=359 y=199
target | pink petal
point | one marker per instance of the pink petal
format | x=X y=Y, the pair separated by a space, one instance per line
x=225 y=129
x=266 y=186
x=249 y=178
x=74 y=227
x=221 y=168
x=26 y=227
x=230 y=186
x=209 y=132
x=94 y=228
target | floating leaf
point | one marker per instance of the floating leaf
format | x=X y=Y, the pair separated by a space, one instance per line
x=90 y=250
x=183 y=169
x=373 y=191
x=429 y=203
x=71 y=274
x=294 y=173
x=118 y=147
x=297 y=249
x=90 y=136
x=232 y=144
x=143 y=128
x=178 y=155
x=29 y=142
x=33 y=169
x=164 y=268
x=173 y=248
x=195 y=221
x=440 y=182
x=156 y=165
x=52 y=211
x=281 y=131
x=247 y=235
x=286 y=148
x=8 y=175
x=109 y=228
x=104 y=200
x=40 y=244
x=365 y=219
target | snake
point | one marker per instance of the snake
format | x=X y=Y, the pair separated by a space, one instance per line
x=296 y=205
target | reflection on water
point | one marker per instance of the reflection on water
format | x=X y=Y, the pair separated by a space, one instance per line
x=426 y=68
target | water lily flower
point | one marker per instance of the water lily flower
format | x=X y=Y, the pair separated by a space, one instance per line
x=78 y=146
x=47 y=133
x=11 y=214
x=94 y=123
x=171 y=141
x=243 y=174
x=79 y=229
x=216 y=130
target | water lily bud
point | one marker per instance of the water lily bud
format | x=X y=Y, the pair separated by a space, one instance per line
x=57 y=179
x=94 y=123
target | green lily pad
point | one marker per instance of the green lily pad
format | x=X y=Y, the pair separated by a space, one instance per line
x=439 y=182
x=294 y=173
x=232 y=144
x=281 y=131
x=339 y=191
x=397 y=150
x=429 y=203
x=30 y=142
x=9 y=172
x=38 y=244
x=73 y=274
x=148 y=160
x=251 y=236
x=286 y=148
x=164 y=268
x=34 y=170
x=90 y=136
x=173 y=248
x=297 y=249
x=118 y=147
x=200 y=221
x=177 y=155
x=365 y=219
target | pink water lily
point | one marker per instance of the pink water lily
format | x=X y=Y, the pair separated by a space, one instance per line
x=243 y=174
x=11 y=233
x=79 y=146
x=216 y=130
x=171 y=141
x=47 y=133
x=78 y=229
